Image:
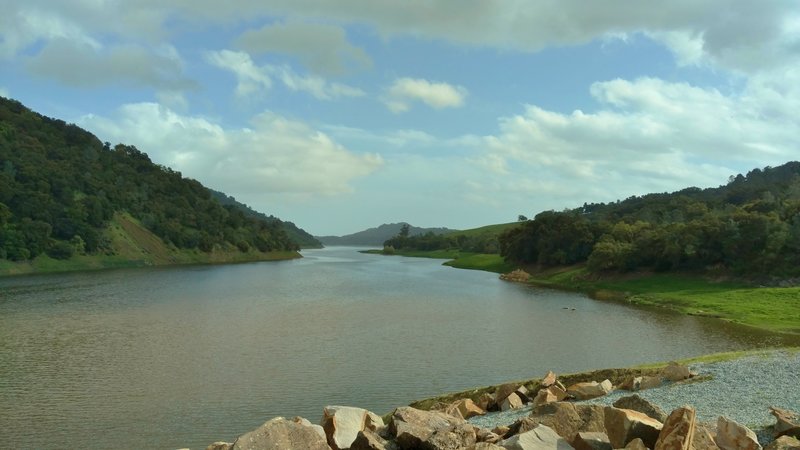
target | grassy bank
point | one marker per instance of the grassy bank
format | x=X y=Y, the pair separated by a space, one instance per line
x=457 y=259
x=770 y=308
x=132 y=245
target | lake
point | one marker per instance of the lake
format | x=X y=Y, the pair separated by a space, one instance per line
x=185 y=356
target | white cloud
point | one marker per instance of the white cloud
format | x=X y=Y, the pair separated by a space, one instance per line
x=404 y=91
x=274 y=156
x=323 y=48
x=314 y=85
x=81 y=65
x=252 y=78
x=651 y=136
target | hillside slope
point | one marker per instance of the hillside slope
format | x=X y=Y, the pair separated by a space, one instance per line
x=62 y=191
x=378 y=235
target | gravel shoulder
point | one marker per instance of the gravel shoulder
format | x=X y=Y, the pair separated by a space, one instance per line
x=741 y=389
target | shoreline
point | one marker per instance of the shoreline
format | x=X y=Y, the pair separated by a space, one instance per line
x=44 y=265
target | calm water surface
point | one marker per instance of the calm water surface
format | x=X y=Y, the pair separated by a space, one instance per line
x=182 y=357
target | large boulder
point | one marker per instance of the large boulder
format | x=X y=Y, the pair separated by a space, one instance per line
x=590 y=389
x=281 y=434
x=451 y=438
x=512 y=401
x=636 y=444
x=637 y=403
x=370 y=440
x=503 y=391
x=678 y=431
x=541 y=437
x=219 y=445
x=549 y=379
x=342 y=424
x=566 y=419
x=786 y=420
x=675 y=372
x=733 y=436
x=464 y=408
x=591 y=440
x=625 y=425
x=412 y=427
x=784 y=443
x=703 y=439
x=485 y=446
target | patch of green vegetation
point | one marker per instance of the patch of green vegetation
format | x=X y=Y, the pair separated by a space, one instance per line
x=495 y=229
x=458 y=259
x=769 y=308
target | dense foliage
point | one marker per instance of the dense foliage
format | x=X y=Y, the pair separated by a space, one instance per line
x=295 y=233
x=751 y=226
x=60 y=186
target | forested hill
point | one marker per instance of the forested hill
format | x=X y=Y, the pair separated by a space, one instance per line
x=63 y=193
x=377 y=235
x=297 y=234
x=749 y=227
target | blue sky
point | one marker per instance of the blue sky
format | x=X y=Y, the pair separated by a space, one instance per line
x=342 y=115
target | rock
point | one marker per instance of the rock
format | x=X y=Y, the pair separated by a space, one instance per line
x=370 y=440
x=464 y=408
x=733 y=436
x=540 y=438
x=511 y=402
x=650 y=383
x=523 y=394
x=637 y=403
x=591 y=440
x=411 y=427
x=591 y=389
x=786 y=420
x=518 y=275
x=549 y=379
x=625 y=425
x=484 y=435
x=342 y=424
x=675 y=372
x=636 y=444
x=503 y=391
x=220 y=446
x=281 y=434
x=678 y=430
x=570 y=419
x=485 y=401
x=703 y=440
x=305 y=422
x=456 y=437
x=792 y=432
x=630 y=384
x=501 y=430
x=544 y=397
x=485 y=446
x=784 y=443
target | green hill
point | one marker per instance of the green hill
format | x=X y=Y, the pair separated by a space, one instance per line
x=378 y=235
x=295 y=233
x=68 y=199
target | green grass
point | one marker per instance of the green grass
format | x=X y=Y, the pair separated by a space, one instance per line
x=773 y=309
x=457 y=259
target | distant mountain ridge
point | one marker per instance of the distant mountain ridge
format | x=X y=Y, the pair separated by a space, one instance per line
x=378 y=235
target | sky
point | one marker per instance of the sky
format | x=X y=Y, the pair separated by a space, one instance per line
x=344 y=115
